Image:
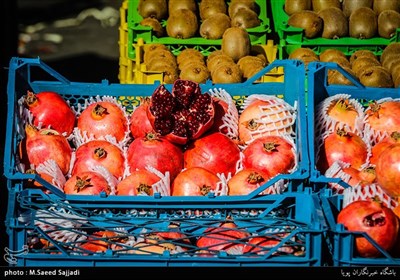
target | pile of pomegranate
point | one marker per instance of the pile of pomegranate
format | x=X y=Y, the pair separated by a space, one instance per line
x=359 y=143
x=181 y=143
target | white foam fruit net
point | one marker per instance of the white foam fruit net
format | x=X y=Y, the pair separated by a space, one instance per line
x=51 y=168
x=368 y=192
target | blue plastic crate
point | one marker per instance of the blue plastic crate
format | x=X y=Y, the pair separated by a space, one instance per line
x=342 y=241
x=318 y=90
x=47 y=231
x=34 y=75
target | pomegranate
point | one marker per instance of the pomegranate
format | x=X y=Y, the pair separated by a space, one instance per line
x=344 y=113
x=363 y=177
x=388 y=170
x=103 y=118
x=139 y=181
x=215 y=152
x=261 y=245
x=183 y=115
x=45 y=144
x=245 y=181
x=270 y=155
x=44 y=176
x=139 y=122
x=51 y=110
x=153 y=244
x=265 y=117
x=345 y=146
x=223 y=237
x=87 y=183
x=371 y=217
x=175 y=235
x=99 y=152
x=384 y=117
x=194 y=181
x=155 y=151
x=377 y=149
x=100 y=241
x=221 y=109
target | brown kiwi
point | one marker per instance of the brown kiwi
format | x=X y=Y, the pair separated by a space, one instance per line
x=335 y=23
x=342 y=61
x=196 y=72
x=309 y=21
x=214 y=26
x=363 y=23
x=236 y=43
x=304 y=53
x=330 y=54
x=337 y=78
x=210 y=7
x=153 y=8
x=382 y=5
x=396 y=82
x=212 y=54
x=360 y=64
x=234 y=6
x=395 y=71
x=245 y=18
x=391 y=48
x=248 y=63
x=376 y=76
x=170 y=73
x=226 y=73
x=155 y=25
x=253 y=70
x=174 y=5
x=149 y=49
x=182 y=24
x=389 y=63
x=293 y=6
x=214 y=61
x=348 y=6
x=388 y=22
x=162 y=55
x=189 y=54
x=362 y=53
x=319 y=5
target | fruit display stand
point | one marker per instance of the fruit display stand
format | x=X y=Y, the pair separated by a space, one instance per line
x=292 y=38
x=258 y=34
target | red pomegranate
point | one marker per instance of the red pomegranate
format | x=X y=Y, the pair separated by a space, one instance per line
x=51 y=110
x=139 y=122
x=45 y=144
x=87 y=183
x=270 y=155
x=384 y=117
x=363 y=177
x=371 y=217
x=388 y=170
x=343 y=112
x=157 y=152
x=215 y=152
x=100 y=241
x=139 y=181
x=183 y=115
x=154 y=244
x=103 y=118
x=345 y=146
x=221 y=109
x=224 y=237
x=261 y=245
x=261 y=119
x=245 y=181
x=377 y=149
x=194 y=181
x=99 y=152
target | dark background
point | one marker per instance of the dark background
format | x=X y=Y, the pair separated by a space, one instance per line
x=88 y=52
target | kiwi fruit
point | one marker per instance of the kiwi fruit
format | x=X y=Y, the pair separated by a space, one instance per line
x=362 y=53
x=214 y=61
x=376 y=76
x=236 y=43
x=396 y=82
x=182 y=24
x=362 y=63
x=248 y=63
x=170 y=72
x=245 y=18
x=395 y=71
x=196 y=72
x=342 y=61
x=214 y=26
x=162 y=55
x=309 y=21
x=234 y=6
x=337 y=78
x=390 y=49
x=155 y=25
x=213 y=54
x=209 y=7
x=363 y=23
x=294 y=6
x=226 y=73
x=174 y=5
x=381 y=5
x=388 y=22
x=153 y=8
x=189 y=55
x=302 y=53
x=348 y=6
x=335 y=23
x=319 y=5
x=390 y=63
x=330 y=55
x=149 y=49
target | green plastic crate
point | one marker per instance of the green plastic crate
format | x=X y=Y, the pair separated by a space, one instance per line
x=258 y=35
x=291 y=38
